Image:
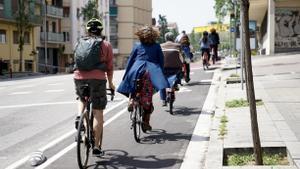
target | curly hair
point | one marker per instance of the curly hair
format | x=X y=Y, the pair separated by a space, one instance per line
x=147 y=34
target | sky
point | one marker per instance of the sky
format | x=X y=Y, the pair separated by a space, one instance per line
x=187 y=13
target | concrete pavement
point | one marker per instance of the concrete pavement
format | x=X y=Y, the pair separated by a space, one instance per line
x=276 y=80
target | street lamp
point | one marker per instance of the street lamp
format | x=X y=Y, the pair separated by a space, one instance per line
x=45 y=35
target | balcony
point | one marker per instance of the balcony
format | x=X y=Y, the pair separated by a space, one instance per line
x=53 y=37
x=55 y=12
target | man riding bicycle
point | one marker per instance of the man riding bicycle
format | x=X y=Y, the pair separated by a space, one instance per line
x=95 y=77
x=173 y=63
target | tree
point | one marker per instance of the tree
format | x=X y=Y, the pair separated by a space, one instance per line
x=195 y=39
x=23 y=25
x=90 y=10
x=163 y=28
x=223 y=7
x=249 y=81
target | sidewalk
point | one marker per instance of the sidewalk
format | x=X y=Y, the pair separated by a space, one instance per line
x=273 y=127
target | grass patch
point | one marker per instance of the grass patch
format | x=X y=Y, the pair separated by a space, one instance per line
x=245 y=156
x=248 y=159
x=223 y=126
x=241 y=103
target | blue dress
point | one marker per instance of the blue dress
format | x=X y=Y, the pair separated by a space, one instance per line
x=144 y=58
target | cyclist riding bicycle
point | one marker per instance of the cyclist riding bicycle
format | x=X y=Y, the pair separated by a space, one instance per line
x=95 y=76
x=145 y=62
x=215 y=41
x=187 y=55
x=173 y=62
x=205 y=46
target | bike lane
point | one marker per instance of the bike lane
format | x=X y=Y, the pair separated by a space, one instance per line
x=163 y=147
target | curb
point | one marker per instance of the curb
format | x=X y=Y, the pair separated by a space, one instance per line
x=195 y=155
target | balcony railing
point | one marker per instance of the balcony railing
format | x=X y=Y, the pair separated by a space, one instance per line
x=53 y=37
x=54 y=11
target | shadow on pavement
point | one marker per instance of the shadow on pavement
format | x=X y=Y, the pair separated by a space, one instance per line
x=120 y=159
x=160 y=136
x=185 y=111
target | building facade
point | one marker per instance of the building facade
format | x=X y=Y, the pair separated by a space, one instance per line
x=9 y=36
x=131 y=14
x=278 y=25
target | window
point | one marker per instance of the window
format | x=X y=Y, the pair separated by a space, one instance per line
x=1 y=4
x=54 y=27
x=66 y=36
x=66 y=12
x=28 y=65
x=2 y=36
x=26 y=37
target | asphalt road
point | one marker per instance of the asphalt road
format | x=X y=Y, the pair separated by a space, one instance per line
x=38 y=113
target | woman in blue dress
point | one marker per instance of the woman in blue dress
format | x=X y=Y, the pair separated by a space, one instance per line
x=145 y=62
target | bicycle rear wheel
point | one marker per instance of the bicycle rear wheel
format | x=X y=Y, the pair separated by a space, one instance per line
x=137 y=122
x=171 y=101
x=83 y=145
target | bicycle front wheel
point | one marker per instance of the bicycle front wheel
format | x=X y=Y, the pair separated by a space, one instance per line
x=83 y=145
x=137 y=122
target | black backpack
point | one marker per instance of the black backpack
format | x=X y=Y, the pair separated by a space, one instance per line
x=87 y=54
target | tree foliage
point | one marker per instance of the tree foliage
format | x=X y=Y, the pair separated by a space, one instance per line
x=163 y=28
x=222 y=7
x=90 y=10
x=195 y=39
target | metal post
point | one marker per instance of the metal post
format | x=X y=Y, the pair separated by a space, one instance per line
x=45 y=36
x=234 y=24
x=242 y=50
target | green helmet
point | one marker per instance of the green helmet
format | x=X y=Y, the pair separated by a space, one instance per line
x=94 y=26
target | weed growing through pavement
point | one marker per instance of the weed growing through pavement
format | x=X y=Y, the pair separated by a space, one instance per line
x=223 y=125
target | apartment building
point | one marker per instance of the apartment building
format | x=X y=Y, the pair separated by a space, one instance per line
x=277 y=25
x=9 y=35
x=131 y=14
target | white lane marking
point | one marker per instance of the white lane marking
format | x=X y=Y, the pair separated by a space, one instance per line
x=36 y=104
x=2 y=88
x=54 y=91
x=73 y=145
x=56 y=141
x=20 y=93
x=24 y=86
x=191 y=73
x=55 y=84
x=184 y=89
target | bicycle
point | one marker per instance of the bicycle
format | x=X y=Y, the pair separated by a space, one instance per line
x=85 y=137
x=170 y=99
x=140 y=106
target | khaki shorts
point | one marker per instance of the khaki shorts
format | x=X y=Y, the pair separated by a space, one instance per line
x=97 y=91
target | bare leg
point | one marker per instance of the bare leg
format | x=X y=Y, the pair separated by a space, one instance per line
x=98 y=127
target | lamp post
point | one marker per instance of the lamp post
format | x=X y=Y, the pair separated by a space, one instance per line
x=45 y=36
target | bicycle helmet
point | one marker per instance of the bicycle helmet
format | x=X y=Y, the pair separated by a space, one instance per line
x=169 y=36
x=94 y=26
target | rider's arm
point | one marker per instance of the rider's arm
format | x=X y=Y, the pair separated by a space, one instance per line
x=110 y=69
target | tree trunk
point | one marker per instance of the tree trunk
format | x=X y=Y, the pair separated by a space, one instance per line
x=249 y=82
